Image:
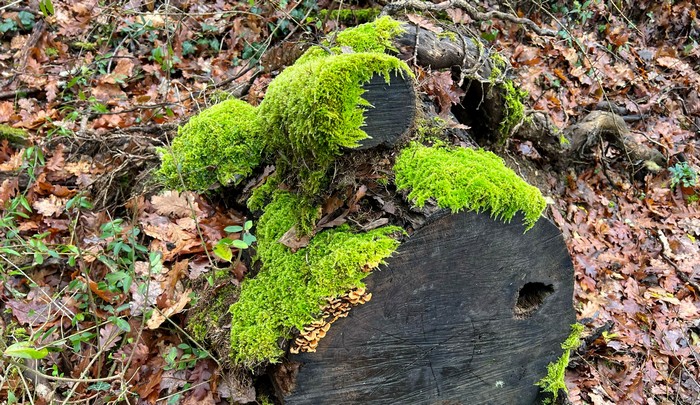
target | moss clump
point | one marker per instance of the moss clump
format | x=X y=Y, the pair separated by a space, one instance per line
x=514 y=112
x=316 y=109
x=461 y=178
x=513 y=98
x=206 y=316
x=554 y=380
x=311 y=111
x=16 y=136
x=289 y=290
x=371 y=37
x=362 y=15
x=220 y=144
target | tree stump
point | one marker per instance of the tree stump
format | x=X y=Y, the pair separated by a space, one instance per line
x=393 y=110
x=469 y=310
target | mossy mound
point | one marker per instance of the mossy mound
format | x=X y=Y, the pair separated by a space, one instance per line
x=318 y=108
x=461 y=178
x=372 y=37
x=316 y=105
x=310 y=112
x=290 y=288
x=220 y=144
x=15 y=136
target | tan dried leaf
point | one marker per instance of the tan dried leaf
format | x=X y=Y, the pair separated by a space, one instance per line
x=14 y=163
x=423 y=22
x=49 y=206
x=7 y=109
x=56 y=161
x=8 y=189
x=173 y=203
x=159 y=317
x=121 y=72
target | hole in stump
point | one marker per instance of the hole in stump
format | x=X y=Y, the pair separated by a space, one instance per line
x=530 y=297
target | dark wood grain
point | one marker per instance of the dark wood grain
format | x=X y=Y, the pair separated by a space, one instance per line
x=442 y=326
x=393 y=110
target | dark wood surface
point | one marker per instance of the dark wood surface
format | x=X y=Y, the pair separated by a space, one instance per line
x=454 y=319
x=393 y=111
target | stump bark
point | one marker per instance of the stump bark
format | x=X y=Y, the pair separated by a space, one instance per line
x=469 y=310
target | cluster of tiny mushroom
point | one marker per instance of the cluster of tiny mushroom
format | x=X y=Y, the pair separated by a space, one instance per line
x=337 y=308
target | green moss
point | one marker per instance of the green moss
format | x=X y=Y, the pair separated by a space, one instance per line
x=431 y=130
x=554 y=380
x=289 y=290
x=220 y=144
x=461 y=178
x=513 y=98
x=371 y=37
x=362 y=15
x=451 y=35
x=263 y=193
x=316 y=109
x=514 y=112
x=206 y=316
x=311 y=111
x=13 y=135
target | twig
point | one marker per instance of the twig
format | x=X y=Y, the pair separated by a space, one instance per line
x=64 y=379
x=394 y=6
x=16 y=93
x=38 y=30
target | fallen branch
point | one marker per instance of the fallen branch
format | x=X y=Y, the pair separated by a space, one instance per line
x=393 y=7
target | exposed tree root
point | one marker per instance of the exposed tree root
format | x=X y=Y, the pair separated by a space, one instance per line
x=599 y=126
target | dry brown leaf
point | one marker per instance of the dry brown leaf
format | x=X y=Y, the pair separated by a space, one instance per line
x=292 y=240
x=424 y=22
x=49 y=206
x=78 y=168
x=159 y=316
x=458 y=16
x=8 y=189
x=121 y=72
x=110 y=94
x=176 y=204
x=7 y=109
x=109 y=336
x=14 y=163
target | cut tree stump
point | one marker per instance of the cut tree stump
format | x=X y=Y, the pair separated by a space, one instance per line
x=469 y=310
x=393 y=110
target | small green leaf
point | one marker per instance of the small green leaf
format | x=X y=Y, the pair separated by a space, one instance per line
x=223 y=251
x=239 y=244
x=249 y=239
x=8 y=25
x=26 y=19
x=248 y=225
x=25 y=350
x=121 y=324
x=46 y=7
x=233 y=229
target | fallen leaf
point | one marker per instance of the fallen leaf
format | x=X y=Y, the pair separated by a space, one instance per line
x=121 y=72
x=49 y=206
x=159 y=316
x=178 y=204
x=424 y=22
x=109 y=336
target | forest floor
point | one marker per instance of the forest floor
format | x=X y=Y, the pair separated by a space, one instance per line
x=86 y=246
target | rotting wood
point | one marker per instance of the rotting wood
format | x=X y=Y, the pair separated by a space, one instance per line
x=468 y=310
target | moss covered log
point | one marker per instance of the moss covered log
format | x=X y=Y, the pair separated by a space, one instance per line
x=466 y=179
x=288 y=292
x=312 y=112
